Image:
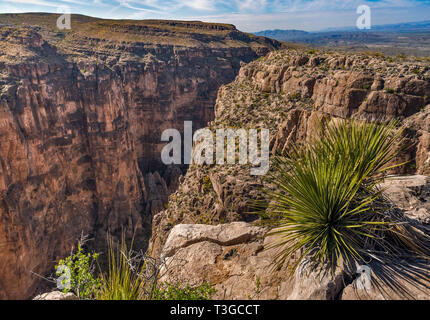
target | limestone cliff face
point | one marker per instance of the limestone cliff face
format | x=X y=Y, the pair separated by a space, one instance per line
x=81 y=116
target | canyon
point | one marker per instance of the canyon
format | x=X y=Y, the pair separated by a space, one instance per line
x=81 y=117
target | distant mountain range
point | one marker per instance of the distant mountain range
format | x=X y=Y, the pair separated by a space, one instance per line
x=408 y=38
x=288 y=35
x=399 y=27
x=283 y=35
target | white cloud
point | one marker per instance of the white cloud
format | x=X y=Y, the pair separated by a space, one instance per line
x=9 y=9
x=200 y=4
x=82 y=3
x=245 y=5
x=315 y=20
x=327 y=5
x=34 y=2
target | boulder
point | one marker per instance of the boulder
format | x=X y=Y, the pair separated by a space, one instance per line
x=56 y=295
x=229 y=256
x=411 y=194
x=310 y=284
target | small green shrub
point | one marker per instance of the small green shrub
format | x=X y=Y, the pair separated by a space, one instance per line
x=389 y=90
x=81 y=279
x=295 y=96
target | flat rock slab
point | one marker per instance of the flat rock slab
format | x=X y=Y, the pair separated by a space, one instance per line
x=184 y=235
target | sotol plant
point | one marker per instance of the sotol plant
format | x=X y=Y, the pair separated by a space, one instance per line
x=332 y=211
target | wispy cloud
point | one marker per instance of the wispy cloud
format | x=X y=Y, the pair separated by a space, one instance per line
x=251 y=5
x=35 y=2
x=200 y=4
x=327 y=5
x=249 y=15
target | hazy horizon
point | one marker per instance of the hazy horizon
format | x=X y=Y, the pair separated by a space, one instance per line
x=247 y=15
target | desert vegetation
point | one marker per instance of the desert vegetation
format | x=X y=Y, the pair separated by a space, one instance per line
x=330 y=209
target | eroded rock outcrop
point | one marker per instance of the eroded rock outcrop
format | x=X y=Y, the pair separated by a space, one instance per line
x=411 y=194
x=290 y=93
x=234 y=258
x=229 y=256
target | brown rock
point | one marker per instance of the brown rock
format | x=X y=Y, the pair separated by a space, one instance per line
x=315 y=285
x=411 y=194
x=230 y=256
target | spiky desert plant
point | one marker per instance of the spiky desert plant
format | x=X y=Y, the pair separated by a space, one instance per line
x=327 y=197
x=122 y=281
x=367 y=147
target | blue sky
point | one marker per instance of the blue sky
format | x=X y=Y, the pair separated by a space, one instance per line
x=247 y=15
